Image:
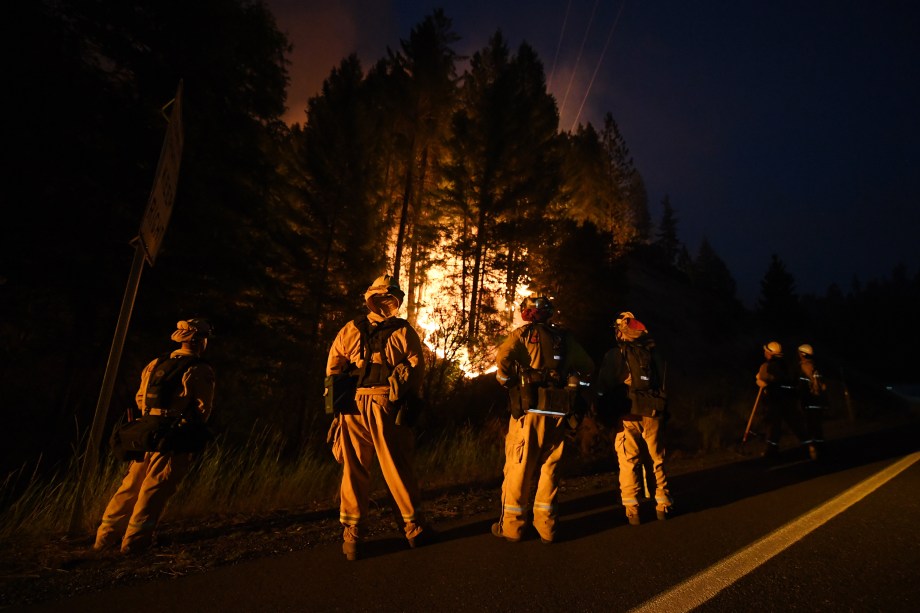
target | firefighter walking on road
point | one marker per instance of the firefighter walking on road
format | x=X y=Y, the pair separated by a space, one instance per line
x=133 y=512
x=384 y=353
x=779 y=398
x=630 y=385
x=544 y=369
x=813 y=400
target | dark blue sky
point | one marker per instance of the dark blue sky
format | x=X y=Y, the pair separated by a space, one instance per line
x=773 y=126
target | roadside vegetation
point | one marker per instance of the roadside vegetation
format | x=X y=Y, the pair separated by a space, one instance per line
x=263 y=476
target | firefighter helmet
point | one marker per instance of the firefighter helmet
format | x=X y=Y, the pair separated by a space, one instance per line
x=774 y=348
x=624 y=317
x=536 y=308
x=386 y=284
x=191 y=330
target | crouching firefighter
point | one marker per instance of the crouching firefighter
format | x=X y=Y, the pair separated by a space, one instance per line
x=545 y=370
x=381 y=356
x=176 y=391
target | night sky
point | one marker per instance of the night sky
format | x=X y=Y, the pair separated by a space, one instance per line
x=774 y=126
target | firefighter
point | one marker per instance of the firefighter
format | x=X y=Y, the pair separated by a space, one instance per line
x=813 y=400
x=630 y=386
x=545 y=370
x=385 y=353
x=779 y=397
x=133 y=512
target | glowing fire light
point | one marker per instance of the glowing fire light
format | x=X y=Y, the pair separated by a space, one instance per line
x=439 y=319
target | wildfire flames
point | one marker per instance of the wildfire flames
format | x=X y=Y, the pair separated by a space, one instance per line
x=440 y=317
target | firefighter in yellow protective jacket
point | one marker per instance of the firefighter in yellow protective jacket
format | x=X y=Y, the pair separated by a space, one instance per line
x=385 y=354
x=544 y=369
x=133 y=512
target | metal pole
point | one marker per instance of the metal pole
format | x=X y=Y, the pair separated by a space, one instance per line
x=91 y=454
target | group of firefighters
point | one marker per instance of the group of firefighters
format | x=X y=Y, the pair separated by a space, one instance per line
x=552 y=383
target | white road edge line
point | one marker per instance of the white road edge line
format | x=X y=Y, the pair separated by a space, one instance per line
x=706 y=584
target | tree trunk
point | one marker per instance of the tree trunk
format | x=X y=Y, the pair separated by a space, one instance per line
x=404 y=213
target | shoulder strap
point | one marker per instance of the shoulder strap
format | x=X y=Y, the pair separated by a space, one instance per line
x=374 y=338
x=165 y=377
x=383 y=330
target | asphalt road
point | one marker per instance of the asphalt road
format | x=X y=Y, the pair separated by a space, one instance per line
x=842 y=534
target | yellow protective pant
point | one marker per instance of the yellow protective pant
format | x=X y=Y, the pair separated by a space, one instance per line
x=373 y=429
x=533 y=443
x=640 y=435
x=134 y=511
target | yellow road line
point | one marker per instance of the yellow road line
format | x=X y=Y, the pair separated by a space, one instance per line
x=706 y=584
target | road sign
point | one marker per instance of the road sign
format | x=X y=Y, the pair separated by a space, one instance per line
x=163 y=194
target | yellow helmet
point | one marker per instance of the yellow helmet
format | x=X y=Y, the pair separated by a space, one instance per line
x=806 y=349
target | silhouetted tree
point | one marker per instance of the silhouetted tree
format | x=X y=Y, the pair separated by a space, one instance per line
x=778 y=304
x=710 y=272
x=630 y=219
x=500 y=168
x=667 y=241
x=424 y=75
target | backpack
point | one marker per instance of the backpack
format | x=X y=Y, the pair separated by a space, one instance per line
x=646 y=389
x=544 y=390
x=642 y=367
x=813 y=386
x=341 y=388
x=131 y=439
x=373 y=340
x=165 y=378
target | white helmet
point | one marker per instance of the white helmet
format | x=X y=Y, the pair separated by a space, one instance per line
x=806 y=349
x=386 y=284
x=774 y=348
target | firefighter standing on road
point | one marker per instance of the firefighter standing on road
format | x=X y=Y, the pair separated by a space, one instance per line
x=630 y=383
x=779 y=397
x=134 y=511
x=386 y=376
x=543 y=366
x=813 y=400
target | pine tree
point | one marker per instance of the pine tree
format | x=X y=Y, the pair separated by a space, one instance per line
x=778 y=304
x=666 y=237
x=501 y=166
x=711 y=273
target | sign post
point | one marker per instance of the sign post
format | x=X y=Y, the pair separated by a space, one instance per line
x=146 y=246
